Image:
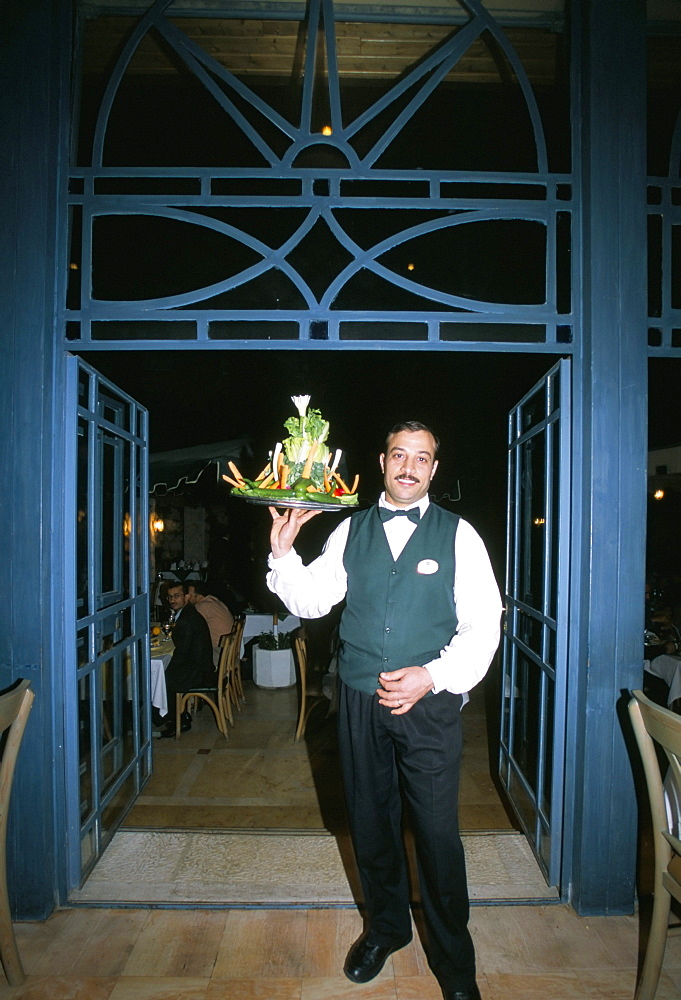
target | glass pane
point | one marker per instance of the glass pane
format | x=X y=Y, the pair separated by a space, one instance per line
x=549 y=697
x=85 y=762
x=88 y=848
x=117 y=736
x=83 y=562
x=552 y=582
x=526 y=705
x=533 y=522
x=116 y=808
x=533 y=410
x=114 y=409
x=110 y=504
x=530 y=632
x=522 y=803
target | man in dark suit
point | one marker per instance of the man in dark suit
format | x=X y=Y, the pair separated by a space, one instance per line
x=192 y=662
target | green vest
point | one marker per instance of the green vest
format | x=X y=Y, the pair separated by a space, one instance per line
x=398 y=613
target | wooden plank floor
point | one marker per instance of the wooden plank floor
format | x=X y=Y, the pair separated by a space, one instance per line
x=524 y=953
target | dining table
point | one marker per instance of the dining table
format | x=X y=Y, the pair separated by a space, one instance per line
x=161 y=655
x=258 y=621
x=668 y=667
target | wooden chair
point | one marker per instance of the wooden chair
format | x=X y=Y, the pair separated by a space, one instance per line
x=309 y=678
x=216 y=696
x=14 y=709
x=657 y=726
x=236 y=686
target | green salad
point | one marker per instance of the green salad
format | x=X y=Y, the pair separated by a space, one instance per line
x=301 y=467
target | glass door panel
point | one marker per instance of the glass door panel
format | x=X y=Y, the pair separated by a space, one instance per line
x=535 y=641
x=108 y=721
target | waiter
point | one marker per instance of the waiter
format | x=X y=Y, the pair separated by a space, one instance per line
x=419 y=630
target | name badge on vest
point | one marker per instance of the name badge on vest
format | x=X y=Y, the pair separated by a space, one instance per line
x=427 y=567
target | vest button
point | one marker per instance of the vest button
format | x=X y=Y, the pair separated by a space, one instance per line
x=393 y=572
x=387 y=630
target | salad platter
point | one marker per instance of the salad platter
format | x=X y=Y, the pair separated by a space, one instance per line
x=300 y=472
x=293 y=504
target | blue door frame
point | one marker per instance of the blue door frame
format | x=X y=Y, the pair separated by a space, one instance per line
x=609 y=350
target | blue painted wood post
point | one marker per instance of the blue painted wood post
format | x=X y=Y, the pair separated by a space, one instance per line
x=34 y=56
x=609 y=453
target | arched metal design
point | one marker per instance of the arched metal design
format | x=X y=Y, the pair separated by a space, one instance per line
x=331 y=269
x=664 y=255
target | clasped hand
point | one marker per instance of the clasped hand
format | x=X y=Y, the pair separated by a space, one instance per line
x=401 y=689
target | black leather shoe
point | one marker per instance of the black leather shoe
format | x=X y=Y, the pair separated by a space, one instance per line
x=365 y=960
x=185 y=726
x=471 y=994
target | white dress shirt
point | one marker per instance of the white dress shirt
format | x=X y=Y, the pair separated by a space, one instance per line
x=311 y=591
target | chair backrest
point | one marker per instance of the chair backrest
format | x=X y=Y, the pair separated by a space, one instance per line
x=656 y=725
x=239 y=624
x=228 y=644
x=14 y=709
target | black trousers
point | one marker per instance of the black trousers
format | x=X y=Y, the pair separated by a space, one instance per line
x=421 y=753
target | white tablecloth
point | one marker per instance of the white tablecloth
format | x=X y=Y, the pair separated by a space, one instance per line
x=255 y=624
x=669 y=669
x=159 y=696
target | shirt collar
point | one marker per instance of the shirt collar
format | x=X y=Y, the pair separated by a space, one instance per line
x=422 y=504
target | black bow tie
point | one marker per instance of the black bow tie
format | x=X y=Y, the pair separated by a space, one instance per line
x=414 y=514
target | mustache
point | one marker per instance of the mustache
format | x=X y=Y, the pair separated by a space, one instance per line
x=408 y=475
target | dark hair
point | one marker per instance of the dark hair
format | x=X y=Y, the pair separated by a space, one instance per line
x=412 y=426
x=199 y=587
x=174 y=584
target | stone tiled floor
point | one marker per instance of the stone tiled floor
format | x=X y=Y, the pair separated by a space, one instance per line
x=261 y=779
x=524 y=953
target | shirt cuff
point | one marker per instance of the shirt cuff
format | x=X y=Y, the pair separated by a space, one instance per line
x=281 y=562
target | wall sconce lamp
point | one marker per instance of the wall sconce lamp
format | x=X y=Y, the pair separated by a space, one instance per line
x=659 y=494
x=157 y=523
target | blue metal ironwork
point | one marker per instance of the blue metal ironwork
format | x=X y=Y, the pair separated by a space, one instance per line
x=532 y=743
x=108 y=721
x=324 y=195
x=664 y=213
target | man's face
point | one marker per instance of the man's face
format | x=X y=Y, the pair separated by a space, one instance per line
x=408 y=467
x=176 y=598
x=192 y=596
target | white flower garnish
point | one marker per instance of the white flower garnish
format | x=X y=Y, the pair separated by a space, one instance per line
x=300 y=403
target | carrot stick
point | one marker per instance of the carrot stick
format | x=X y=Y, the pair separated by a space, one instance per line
x=232 y=481
x=307 y=468
x=285 y=469
x=235 y=471
x=261 y=475
x=340 y=482
x=328 y=486
x=355 y=484
x=266 y=482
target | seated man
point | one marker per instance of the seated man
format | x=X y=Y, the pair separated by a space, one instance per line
x=192 y=662
x=220 y=619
